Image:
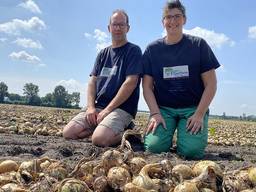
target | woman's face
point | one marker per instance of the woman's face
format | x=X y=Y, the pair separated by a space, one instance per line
x=173 y=22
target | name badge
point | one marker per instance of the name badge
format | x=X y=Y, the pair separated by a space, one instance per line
x=175 y=72
x=107 y=71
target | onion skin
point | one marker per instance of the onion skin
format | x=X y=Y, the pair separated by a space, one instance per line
x=8 y=166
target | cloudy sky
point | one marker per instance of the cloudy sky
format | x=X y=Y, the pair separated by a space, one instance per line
x=52 y=42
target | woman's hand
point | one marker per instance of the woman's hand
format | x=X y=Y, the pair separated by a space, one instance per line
x=195 y=123
x=154 y=121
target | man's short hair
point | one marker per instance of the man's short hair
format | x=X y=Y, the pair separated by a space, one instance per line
x=120 y=11
x=172 y=4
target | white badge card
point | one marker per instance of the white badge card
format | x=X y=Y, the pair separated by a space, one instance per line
x=175 y=72
x=107 y=71
x=113 y=71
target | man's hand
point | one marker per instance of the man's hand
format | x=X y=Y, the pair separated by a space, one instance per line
x=103 y=114
x=91 y=116
x=195 y=124
x=154 y=121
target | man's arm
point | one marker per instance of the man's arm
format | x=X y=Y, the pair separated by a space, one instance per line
x=91 y=113
x=195 y=122
x=122 y=95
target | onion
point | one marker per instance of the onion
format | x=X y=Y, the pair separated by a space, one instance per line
x=143 y=180
x=184 y=170
x=206 y=190
x=130 y=187
x=118 y=177
x=57 y=170
x=8 y=166
x=13 y=187
x=136 y=164
x=111 y=158
x=252 y=175
x=71 y=184
x=100 y=184
x=186 y=186
x=202 y=165
x=4 y=179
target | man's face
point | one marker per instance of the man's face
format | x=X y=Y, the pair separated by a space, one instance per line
x=118 y=27
x=173 y=21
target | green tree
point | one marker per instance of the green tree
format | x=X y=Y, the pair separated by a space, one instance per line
x=14 y=97
x=60 y=96
x=3 y=91
x=75 y=99
x=48 y=100
x=31 y=93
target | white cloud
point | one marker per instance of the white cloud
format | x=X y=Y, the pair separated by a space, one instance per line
x=28 y=43
x=87 y=35
x=100 y=36
x=3 y=40
x=101 y=45
x=244 y=105
x=215 y=40
x=252 y=32
x=31 y=6
x=15 y=26
x=25 y=57
x=102 y=39
x=72 y=85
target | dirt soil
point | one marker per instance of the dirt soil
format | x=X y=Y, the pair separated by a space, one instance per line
x=27 y=147
x=33 y=132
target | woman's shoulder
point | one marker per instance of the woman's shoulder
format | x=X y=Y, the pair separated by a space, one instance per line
x=193 y=38
x=156 y=43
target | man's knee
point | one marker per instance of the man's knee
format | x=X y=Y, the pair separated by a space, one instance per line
x=104 y=137
x=156 y=145
x=70 y=131
x=100 y=141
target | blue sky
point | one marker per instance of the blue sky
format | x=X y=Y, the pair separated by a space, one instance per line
x=52 y=42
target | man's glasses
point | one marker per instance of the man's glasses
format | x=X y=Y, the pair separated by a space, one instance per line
x=175 y=17
x=120 y=25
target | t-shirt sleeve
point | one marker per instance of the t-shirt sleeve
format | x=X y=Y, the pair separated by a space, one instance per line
x=146 y=63
x=134 y=66
x=207 y=58
x=97 y=65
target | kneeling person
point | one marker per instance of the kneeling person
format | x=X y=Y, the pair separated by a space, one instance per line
x=113 y=89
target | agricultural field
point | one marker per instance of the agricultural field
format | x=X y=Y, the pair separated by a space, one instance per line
x=35 y=157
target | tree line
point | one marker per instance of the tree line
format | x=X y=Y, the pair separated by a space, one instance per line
x=58 y=98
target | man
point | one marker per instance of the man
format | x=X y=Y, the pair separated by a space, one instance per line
x=113 y=89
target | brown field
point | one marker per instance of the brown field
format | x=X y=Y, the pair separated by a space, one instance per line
x=29 y=133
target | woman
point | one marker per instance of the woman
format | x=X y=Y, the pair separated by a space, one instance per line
x=179 y=84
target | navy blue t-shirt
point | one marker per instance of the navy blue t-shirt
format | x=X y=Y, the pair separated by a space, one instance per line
x=111 y=67
x=176 y=70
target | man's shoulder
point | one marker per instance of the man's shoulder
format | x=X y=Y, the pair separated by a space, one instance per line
x=105 y=49
x=133 y=46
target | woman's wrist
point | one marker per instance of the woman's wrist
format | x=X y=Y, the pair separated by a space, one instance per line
x=153 y=114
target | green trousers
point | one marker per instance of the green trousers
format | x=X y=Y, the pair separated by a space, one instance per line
x=188 y=145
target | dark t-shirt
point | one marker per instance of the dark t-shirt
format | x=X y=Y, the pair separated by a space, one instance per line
x=176 y=70
x=111 y=67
